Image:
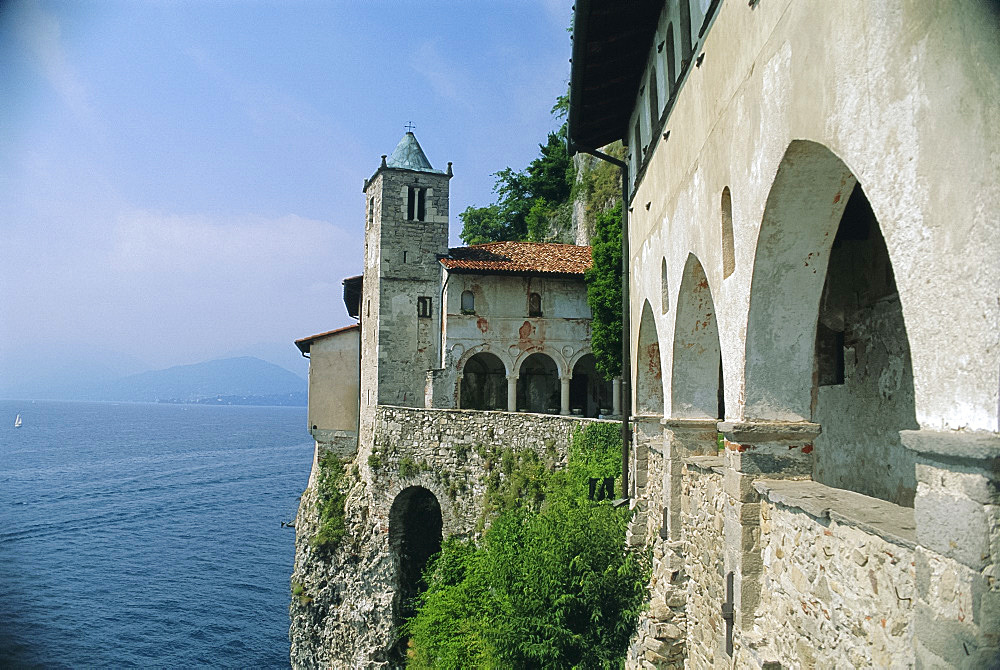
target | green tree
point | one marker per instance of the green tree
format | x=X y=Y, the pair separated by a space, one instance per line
x=604 y=292
x=549 y=178
x=550 y=586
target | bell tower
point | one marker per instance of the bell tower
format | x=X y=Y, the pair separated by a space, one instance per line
x=406 y=230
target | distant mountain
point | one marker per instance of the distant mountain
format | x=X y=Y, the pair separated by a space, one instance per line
x=244 y=380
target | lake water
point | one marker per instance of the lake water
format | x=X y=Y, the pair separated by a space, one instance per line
x=147 y=535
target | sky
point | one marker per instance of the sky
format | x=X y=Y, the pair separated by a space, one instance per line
x=182 y=180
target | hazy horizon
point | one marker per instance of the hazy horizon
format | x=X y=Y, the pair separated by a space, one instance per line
x=181 y=182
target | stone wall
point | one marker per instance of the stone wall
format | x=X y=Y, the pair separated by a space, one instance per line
x=840 y=589
x=662 y=629
x=702 y=509
x=342 y=615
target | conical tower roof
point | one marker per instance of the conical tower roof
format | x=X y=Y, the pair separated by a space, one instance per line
x=409 y=156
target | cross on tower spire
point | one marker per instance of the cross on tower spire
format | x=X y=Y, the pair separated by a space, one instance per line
x=409 y=126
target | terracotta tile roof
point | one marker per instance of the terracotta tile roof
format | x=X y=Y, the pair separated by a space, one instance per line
x=519 y=258
x=305 y=343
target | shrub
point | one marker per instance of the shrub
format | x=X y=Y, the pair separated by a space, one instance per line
x=332 y=526
x=408 y=467
x=374 y=461
x=550 y=585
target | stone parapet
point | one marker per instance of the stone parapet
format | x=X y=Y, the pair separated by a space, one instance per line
x=837 y=580
x=957 y=513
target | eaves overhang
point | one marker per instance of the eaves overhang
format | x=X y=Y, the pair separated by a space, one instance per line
x=611 y=41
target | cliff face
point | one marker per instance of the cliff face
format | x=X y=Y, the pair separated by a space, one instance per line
x=338 y=597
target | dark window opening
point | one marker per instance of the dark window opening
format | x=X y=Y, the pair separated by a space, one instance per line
x=423 y=307
x=421 y=203
x=404 y=256
x=468 y=302
x=654 y=103
x=671 y=61
x=371 y=210
x=411 y=203
x=637 y=150
x=534 y=305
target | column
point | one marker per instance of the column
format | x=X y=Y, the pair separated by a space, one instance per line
x=458 y=393
x=683 y=438
x=616 y=396
x=755 y=450
x=511 y=393
x=956 y=619
x=564 y=395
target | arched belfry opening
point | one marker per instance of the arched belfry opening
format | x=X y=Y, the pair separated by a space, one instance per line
x=826 y=341
x=414 y=536
x=589 y=391
x=696 y=389
x=538 y=387
x=649 y=371
x=484 y=383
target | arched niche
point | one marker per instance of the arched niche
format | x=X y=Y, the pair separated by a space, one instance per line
x=697 y=357
x=649 y=371
x=826 y=340
x=801 y=215
x=415 y=527
x=589 y=391
x=538 y=387
x=484 y=382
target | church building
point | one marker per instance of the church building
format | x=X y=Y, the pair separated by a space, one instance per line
x=499 y=326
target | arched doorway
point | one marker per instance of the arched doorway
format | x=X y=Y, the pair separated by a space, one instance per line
x=538 y=386
x=695 y=389
x=826 y=339
x=589 y=391
x=414 y=536
x=649 y=371
x=484 y=382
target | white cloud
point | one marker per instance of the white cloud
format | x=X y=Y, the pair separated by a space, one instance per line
x=170 y=288
x=41 y=34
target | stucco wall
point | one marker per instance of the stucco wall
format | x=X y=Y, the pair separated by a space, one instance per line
x=903 y=95
x=334 y=389
x=501 y=319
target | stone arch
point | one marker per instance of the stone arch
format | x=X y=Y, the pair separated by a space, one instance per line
x=695 y=389
x=562 y=365
x=538 y=385
x=801 y=214
x=415 y=534
x=589 y=391
x=484 y=382
x=826 y=339
x=481 y=348
x=649 y=370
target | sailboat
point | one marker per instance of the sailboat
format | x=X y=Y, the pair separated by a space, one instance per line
x=17 y=421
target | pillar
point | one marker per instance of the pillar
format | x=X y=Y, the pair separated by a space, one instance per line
x=755 y=450
x=511 y=393
x=682 y=438
x=458 y=393
x=956 y=621
x=564 y=394
x=616 y=396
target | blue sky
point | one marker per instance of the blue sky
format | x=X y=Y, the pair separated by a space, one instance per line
x=181 y=180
